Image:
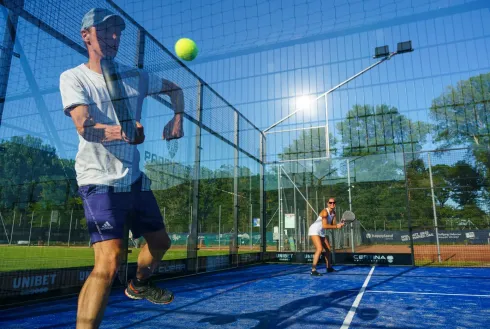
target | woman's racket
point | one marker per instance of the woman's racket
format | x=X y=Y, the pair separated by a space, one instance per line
x=348 y=217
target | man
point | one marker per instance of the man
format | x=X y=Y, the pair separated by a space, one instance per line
x=327 y=220
x=110 y=183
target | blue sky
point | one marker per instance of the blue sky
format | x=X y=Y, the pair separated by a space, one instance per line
x=262 y=55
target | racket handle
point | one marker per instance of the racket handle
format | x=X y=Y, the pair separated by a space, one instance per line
x=119 y=98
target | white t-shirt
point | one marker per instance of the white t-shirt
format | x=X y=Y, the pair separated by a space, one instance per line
x=317 y=227
x=113 y=163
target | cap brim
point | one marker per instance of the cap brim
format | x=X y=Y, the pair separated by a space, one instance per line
x=119 y=21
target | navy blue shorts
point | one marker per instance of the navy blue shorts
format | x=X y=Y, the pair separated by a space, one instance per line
x=107 y=207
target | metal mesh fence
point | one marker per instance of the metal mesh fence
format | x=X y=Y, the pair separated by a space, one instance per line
x=42 y=220
x=448 y=206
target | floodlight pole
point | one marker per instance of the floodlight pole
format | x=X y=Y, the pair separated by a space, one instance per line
x=327 y=139
x=327 y=144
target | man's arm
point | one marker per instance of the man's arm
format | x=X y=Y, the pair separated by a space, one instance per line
x=176 y=96
x=173 y=129
x=96 y=132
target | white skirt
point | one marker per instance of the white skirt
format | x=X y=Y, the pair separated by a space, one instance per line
x=316 y=229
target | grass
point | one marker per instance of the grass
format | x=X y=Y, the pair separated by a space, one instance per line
x=14 y=258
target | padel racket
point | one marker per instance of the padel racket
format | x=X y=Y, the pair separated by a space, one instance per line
x=348 y=217
x=172 y=147
x=119 y=98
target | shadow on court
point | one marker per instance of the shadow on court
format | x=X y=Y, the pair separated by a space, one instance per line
x=284 y=316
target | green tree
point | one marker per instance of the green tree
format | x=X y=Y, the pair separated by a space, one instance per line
x=30 y=172
x=462 y=117
x=465 y=182
x=462 y=113
x=372 y=140
x=381 y=129
x=311 y=143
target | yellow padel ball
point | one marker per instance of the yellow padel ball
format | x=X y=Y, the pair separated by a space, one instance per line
x=186 y=49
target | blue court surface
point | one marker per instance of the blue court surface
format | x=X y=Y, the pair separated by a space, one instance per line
x=286 y=296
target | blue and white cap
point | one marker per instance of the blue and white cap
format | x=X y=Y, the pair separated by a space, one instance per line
x=96 y=16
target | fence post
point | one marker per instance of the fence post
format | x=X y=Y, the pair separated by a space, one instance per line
x=350 y=207
x=12 y=230
x=234 y=245
x=434 y=208
x=193 y=239
x=409 y=217
x=50 y=223
x=251 y=227
x=69 y=232
x=219 y=228
x=30 y=230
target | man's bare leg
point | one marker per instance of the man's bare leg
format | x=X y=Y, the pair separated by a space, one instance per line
x=95 y=292
x=141 y=287
x=157 y=244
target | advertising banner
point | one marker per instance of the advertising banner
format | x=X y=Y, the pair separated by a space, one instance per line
x=429 y=236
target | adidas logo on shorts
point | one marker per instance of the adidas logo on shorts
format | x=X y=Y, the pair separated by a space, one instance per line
x=106 y=226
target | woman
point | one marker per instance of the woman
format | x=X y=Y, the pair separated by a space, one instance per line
x=326 y=221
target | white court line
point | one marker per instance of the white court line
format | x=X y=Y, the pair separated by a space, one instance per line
x=425 y=293
x=352 y=311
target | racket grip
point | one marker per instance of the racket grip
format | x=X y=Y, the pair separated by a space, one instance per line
x=119 y=99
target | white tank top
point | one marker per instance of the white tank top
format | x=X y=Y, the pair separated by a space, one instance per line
x=316 y=228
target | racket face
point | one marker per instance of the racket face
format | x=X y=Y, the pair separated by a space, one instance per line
x=348 y=216
x=172 y=147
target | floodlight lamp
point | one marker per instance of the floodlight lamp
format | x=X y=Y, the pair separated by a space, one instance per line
x=404 y=47
x=303 y=102
x=382 y=51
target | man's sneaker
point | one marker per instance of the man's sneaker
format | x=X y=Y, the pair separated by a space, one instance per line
x=315 y=273
x=150 y=292
x=331 y=269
